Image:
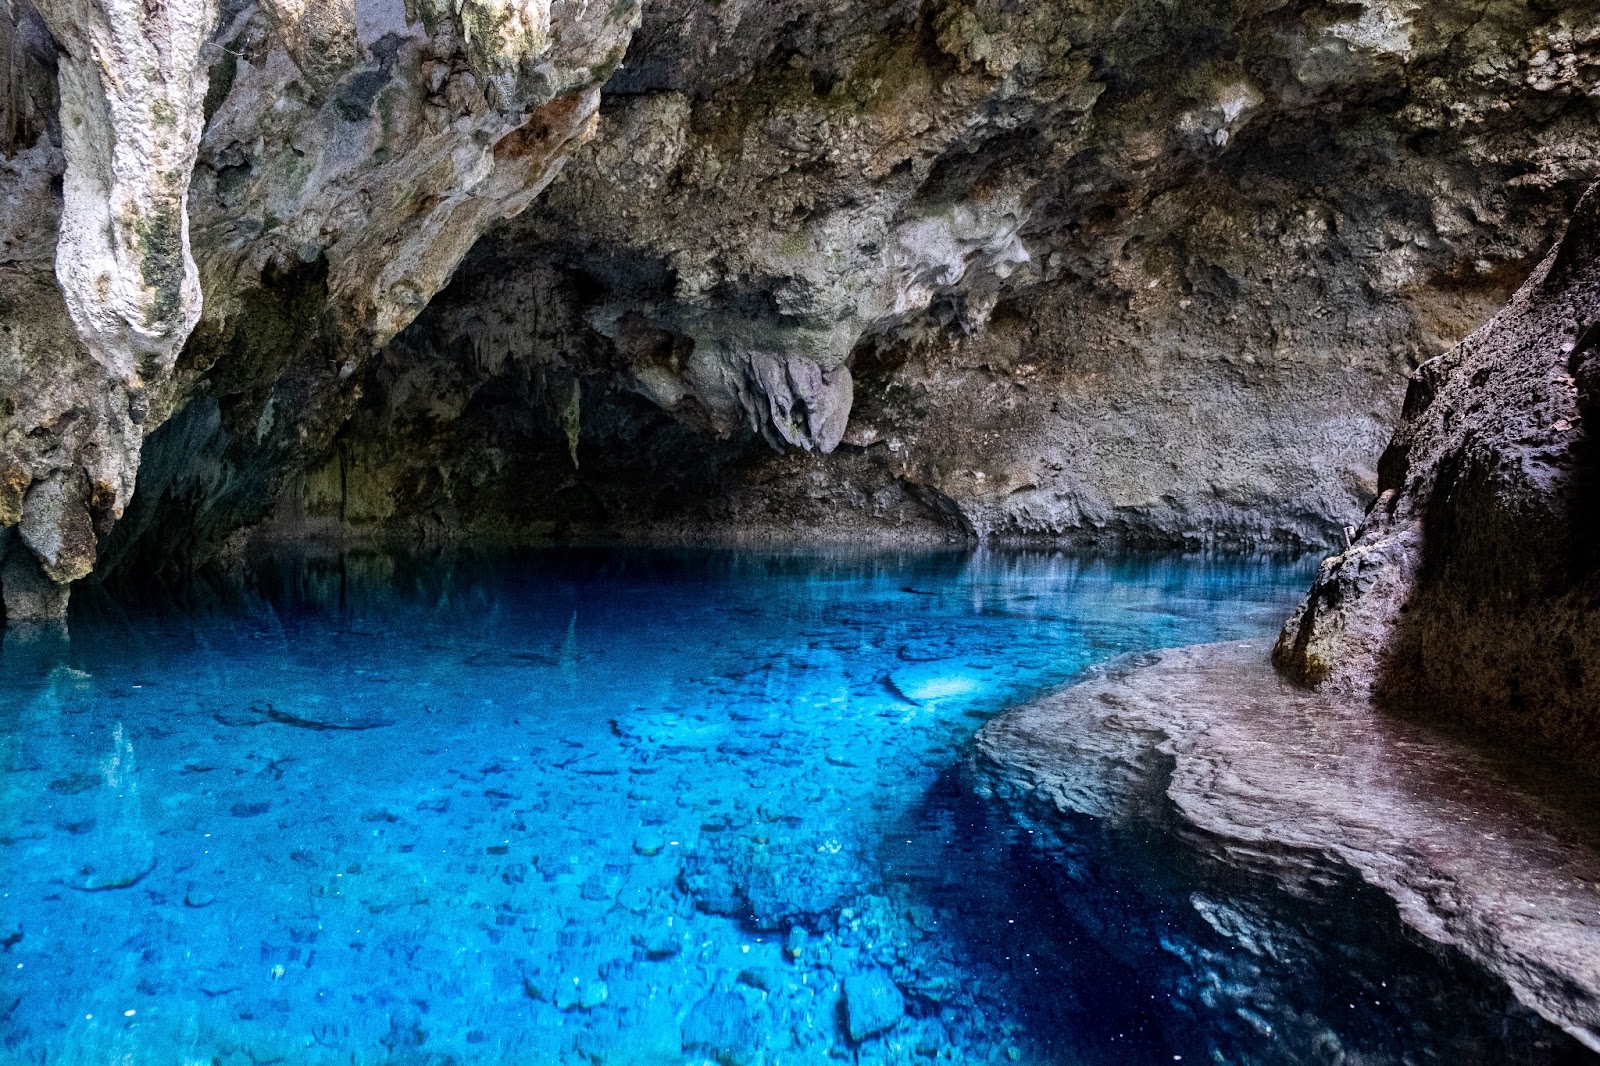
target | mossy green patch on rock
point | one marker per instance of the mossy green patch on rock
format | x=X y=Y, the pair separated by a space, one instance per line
x=351 y=488
x=161 y=261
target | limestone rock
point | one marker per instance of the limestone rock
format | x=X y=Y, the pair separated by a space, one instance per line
x=132 y=83
x=969 y=269
x=1085 y=288
x=1470 y=589
x=30 y=594
x=57 y=528
x=1268 y=798
x=872 y=1004
x=720 y=1025
x=292 y=182
x=805 y=406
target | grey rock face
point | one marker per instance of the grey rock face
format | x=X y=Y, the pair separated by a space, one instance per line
x=30 y=595
x=805 y=406
x=57 y=529
x=1472 y=584
x=292 y=183
x=1278 y=799
x=974 y=268
x=1086 y=285
x=132 y=83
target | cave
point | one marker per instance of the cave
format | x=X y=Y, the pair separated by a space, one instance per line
x=787 y=531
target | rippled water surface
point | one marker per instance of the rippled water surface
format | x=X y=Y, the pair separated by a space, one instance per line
x=610 y=807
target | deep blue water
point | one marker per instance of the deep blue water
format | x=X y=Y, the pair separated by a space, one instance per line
x=602 y=806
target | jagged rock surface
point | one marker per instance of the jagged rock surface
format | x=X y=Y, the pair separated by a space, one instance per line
x=945 y=269
x=1472 y=589
x=82 y=360
x=1269 y=798
x=351 y=154
x=1086 y=283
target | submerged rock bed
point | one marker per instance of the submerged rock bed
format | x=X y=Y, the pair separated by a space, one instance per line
x=602 y=807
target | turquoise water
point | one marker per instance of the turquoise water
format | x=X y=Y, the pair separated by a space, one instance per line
x=607 y=806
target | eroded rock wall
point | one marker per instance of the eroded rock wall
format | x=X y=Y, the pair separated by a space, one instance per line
x=1108 y=272
x=1472 y=589
x=351 y=154
x=1096 y=271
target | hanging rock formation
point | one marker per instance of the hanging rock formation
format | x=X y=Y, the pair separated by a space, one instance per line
x=130 y=82
x=1472 y=588
x=351 y=154
x=934 y=269
x=1087 y=284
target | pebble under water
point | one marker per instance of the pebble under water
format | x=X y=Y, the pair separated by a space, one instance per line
x=568 y=807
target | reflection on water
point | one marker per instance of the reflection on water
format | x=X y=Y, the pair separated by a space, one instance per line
x=607 y=806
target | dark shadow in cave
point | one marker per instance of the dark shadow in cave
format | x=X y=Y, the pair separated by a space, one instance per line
x=1109 y=937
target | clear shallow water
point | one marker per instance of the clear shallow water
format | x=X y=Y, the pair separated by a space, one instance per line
x=611 y=807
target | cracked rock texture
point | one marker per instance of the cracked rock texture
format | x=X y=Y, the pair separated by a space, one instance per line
x=1472 y=590
x=1285 y=812
x=1109 y=272
x=1147 y=272
x=242 y=205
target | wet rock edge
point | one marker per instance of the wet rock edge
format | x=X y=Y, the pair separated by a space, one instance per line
x=1280 y=829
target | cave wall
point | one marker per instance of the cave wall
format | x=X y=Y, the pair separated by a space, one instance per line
x=1472 y=589
x=230 y=207
x=1147 y=273
x=1103 y=272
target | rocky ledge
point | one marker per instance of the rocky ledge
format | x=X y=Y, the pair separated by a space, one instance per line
x=1286 y=809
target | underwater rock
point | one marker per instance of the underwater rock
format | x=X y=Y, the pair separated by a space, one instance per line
x=660 y=940
x=872 y=1004
x=573 y=992
x=100 y=881
x=1202 y=752
x=318 y=725
x=1472 y=587
x=722 y=1026
x=775 y=885
x=458 y=871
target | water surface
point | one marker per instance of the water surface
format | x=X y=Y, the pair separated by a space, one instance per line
x=598 y=806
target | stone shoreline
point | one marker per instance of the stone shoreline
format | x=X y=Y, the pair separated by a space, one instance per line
x=1479 y=854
